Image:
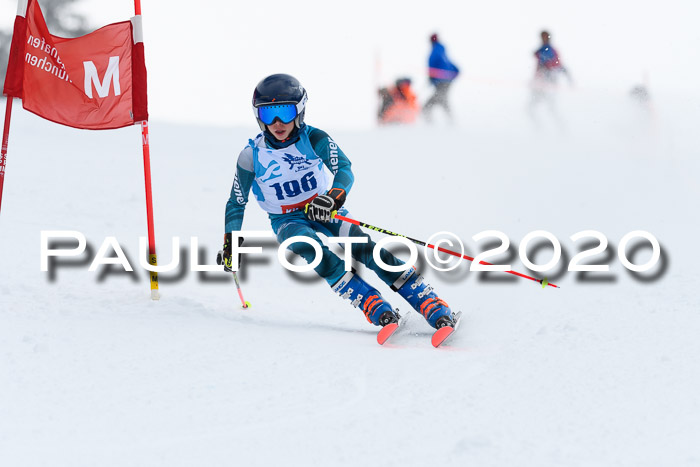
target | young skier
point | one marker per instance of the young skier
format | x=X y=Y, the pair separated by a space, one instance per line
x=284 y=166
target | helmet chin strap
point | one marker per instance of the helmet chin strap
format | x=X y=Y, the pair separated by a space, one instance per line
x=299 y=119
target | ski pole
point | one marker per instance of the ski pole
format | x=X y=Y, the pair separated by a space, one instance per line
x=543 y=282
x=240 y=294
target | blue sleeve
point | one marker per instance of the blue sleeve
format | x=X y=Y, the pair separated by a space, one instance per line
x=242 y=181
x=334 y=158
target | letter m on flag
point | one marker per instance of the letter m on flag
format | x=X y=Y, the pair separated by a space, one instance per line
x=96 y=81
x=102 y=87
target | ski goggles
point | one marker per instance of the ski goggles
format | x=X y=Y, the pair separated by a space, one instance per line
x=269 y=113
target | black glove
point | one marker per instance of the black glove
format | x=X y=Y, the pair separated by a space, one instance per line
x=224 y=256
x=323 y=207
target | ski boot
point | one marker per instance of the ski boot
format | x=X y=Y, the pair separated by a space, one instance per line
x=422 y=298
x=367 y=298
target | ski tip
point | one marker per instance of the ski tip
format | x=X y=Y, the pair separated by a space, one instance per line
x=386 y=332
x=440 y=335
x=443 y=333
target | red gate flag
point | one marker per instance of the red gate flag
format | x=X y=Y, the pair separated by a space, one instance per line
x=95 y=82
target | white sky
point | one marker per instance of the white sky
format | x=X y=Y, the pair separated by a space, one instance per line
x=204 y=61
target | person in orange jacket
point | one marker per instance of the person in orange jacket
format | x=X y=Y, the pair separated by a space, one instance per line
x=399 y=103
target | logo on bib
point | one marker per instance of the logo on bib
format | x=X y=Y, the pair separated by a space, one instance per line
x=296 y=163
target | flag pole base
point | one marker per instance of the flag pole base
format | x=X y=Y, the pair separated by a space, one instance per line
x=155 y=294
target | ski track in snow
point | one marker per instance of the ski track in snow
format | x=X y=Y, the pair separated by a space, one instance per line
x=595 y=373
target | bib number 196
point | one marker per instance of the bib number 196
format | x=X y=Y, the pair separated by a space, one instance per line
x=293 y=188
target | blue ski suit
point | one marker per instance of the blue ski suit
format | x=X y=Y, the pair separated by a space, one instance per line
x=284 y=177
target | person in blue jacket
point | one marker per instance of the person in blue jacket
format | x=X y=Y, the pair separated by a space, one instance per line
x=441 y=72
x=548 y=64
x=289 y=166
x=547 y=72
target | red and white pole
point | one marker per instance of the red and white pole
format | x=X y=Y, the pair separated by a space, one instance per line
x=19 y=25
x=5 y=138
x=155 y=294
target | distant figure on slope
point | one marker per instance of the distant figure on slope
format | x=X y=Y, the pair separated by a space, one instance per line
x=398 y=103
x=441 y=72
x=640 y=94
x=288 y=167
x=548 y=64
x=644 y=116
x=547 y=72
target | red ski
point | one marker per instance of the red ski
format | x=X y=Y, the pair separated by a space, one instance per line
x=389 y=330
x=444 y=332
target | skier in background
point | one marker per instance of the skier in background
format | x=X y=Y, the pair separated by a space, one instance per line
x=399 y=103
x=547 y=73
x=441 y=72
x=548 y=64
x=284 y=165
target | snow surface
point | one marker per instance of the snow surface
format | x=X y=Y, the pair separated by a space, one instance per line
x=603 y=371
